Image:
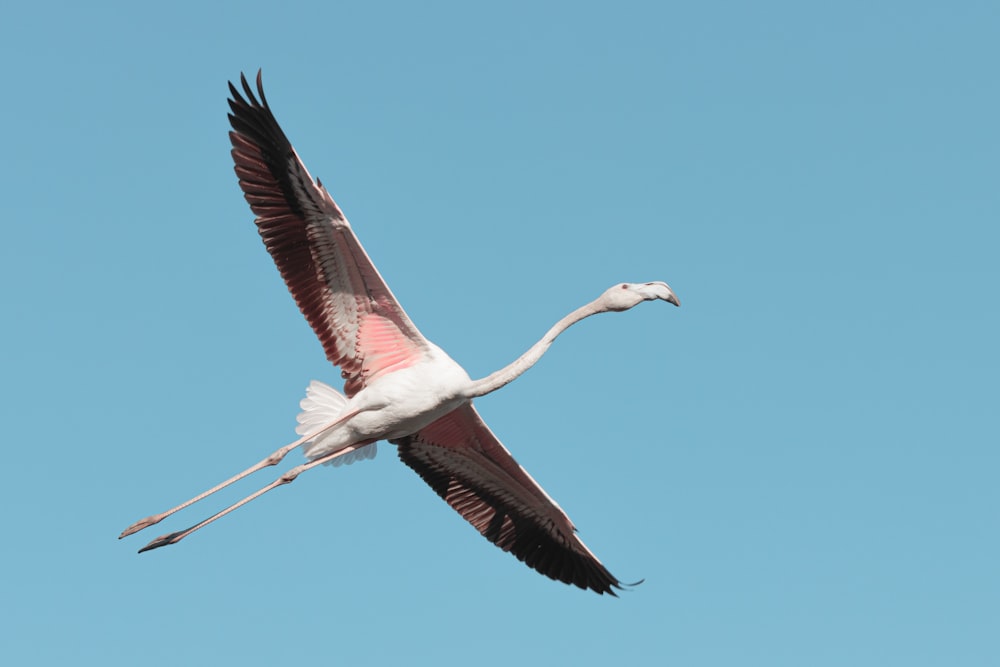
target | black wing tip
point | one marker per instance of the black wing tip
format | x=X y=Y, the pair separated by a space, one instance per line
x=611 y=587
x=625 y=587
x=251 y=117
x=248 y=98
x=596 y=578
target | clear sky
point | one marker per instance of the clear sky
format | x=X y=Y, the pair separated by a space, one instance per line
x=801 y=461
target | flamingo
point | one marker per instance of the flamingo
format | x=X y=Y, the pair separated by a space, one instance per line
x=398 y=385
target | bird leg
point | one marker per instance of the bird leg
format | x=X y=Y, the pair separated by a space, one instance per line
x=273 y=459
x=286 y=478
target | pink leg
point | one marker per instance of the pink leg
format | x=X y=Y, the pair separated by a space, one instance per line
x=271 y=460
x=288 y=477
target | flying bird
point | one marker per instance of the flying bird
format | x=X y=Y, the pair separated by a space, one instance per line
x=398 y=386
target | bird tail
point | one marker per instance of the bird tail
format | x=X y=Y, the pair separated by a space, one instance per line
x=321 y=406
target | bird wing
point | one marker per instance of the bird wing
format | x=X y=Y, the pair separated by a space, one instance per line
x=360 y=324
x=461 y=459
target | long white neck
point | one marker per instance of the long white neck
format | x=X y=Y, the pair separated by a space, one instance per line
x=509 y=373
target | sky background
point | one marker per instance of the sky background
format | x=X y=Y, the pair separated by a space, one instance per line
x=802 y=461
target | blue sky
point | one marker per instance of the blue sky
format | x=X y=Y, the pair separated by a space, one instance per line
x=801 y=461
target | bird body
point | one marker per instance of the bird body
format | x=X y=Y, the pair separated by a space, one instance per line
x=398 y=404
x=398 y=385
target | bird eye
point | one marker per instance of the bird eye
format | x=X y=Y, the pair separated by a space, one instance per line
x=624 y=285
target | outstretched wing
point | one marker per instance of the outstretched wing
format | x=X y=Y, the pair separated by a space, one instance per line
x=363 y=329
x=461 y=459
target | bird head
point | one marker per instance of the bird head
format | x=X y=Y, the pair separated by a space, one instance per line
x=627 y=295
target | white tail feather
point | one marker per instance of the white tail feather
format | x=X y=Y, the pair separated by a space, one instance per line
x=321 y=406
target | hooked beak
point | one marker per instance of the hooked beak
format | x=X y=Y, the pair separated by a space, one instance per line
x=661 y=290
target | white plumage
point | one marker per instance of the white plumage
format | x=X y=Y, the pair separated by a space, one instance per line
x=322 y=405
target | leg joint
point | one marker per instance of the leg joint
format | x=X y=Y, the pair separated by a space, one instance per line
x=290 y=475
